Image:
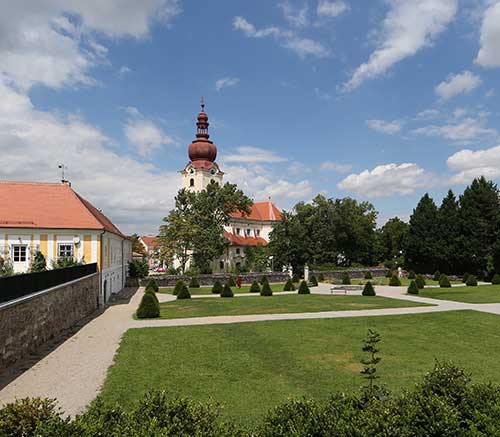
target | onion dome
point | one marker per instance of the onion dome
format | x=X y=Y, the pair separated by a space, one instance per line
x=202 y=149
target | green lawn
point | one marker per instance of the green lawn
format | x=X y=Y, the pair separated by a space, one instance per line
x=293 y=303
x=251 y=367
x=479 y=294
x=276 y=287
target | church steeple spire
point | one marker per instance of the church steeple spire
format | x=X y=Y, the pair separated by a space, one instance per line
x=202 y=123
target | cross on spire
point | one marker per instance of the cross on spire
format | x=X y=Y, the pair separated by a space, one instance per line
x=202 y=104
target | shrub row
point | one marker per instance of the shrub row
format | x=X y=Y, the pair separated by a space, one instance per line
x=445 y=403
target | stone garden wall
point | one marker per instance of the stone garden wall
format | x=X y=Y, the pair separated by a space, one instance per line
x=248 y=278
x=28 y=322
x=353 y=273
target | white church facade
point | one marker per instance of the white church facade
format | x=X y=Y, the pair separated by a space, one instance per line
x=249 y=230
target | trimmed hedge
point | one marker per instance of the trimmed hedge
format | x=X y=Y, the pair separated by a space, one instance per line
x=313 y=281
x=304 y=288
x=436 y=276
x=255 y=288
x=368 y=275
x=227 y=292
x=471 y=281
x=346 y=280
x=152 y=285
x=394 y=282
x=464 y=277
x=266 y=289
x=444 y=282
x=368 y=289
x=184 y=293
x=149 y=308
x=178 y=287
x=412 y=288
x=194 y=283
x=420 y=281
x=217 y=287
x=496 y=279
x=289 y=286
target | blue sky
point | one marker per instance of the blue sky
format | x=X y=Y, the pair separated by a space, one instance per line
x=381 y=100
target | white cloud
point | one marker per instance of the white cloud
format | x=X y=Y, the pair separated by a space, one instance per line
x=123 y=71
x=226 y=82
x=428 y=114
x=469 y=164
x=336 y=167
x=409 y=26
x=385 y=127
x=455 y=84
x=321 y=95
x=144 y=134
x=39 y=45
x=387 y=180
x=250 y=154
x=489 y=53
x=303 y=47
x=134 y=195
x=331 y=9
x=261 y=182
x=463 y=130
x=296 y=16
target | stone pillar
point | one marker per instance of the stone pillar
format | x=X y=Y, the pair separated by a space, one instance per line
x=306 y=273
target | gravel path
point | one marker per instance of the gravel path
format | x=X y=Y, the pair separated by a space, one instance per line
x=75 y=371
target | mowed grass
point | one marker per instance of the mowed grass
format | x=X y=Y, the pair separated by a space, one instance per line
x=276 y=287
x=479 y=294
x=290 y=303
x=252 y=367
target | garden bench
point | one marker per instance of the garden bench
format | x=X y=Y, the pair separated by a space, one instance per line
x=345 y=288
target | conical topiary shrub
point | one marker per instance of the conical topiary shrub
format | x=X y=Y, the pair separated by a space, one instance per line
x=178 y=287
x=411 y=274
x=368 y=275
x=437 y=275
x=471 y=281
x=412 y=288
x=496 y=279
x=289 y=285
x=184 y=293
x=464 y=277
x=152 y=285
x=394 y=281
x=346 y=280
x=444 y=282
x=304 y=288
x=321 y=277
x=264 y=279
x=149 y=308
x=231 y=282
x=368 y=289
x=420 y=282
x=255 y=288
x=194 y=283
x=227 y=292
x=295 y=278
x=266 y=289
x=217 y=287
x=313 y=281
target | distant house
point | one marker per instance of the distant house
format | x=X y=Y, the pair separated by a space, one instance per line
x=152 y=251
x=55 y=220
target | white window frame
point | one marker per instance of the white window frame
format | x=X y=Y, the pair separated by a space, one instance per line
x=19 y=246
x=59 y=256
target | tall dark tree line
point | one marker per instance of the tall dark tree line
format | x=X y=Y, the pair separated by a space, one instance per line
x=460 y=236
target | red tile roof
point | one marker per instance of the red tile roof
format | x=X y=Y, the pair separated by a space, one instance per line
x=261 y=211
x=48 y=206
x=150 y=241
x=237 y=240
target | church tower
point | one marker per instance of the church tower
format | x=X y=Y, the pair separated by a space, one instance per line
x=202 y=168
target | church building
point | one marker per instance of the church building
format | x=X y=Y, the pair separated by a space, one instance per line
x=243 y=230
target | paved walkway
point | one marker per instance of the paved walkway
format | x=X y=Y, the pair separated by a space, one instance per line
x=75 y=371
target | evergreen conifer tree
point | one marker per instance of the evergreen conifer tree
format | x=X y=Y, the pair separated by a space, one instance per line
x=288 y=285
x=266 y=289
x=255 y=288
x=304 y=288
x=368 y=289
x=217 y=287
x=227 y=292
x=346 y=280
x=412 y=288
x=178 y=287
x=149 y=307
x=184 y=293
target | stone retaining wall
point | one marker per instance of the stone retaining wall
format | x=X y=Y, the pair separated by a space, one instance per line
x=248 y=278
x=353 y=273
x=28 y=322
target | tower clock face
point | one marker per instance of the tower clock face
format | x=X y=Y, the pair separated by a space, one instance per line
x=191 y=170
x=212 y=171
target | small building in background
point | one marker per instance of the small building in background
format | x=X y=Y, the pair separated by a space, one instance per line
x=151 y=251
x=55 y=220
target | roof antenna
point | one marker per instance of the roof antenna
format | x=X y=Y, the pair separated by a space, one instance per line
x=63 y=169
